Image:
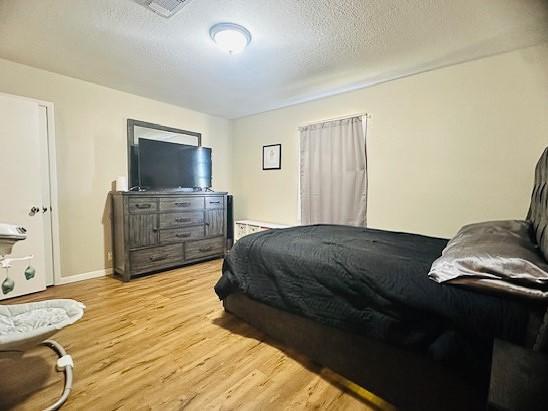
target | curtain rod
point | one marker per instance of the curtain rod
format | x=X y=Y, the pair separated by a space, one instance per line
x=366 y=115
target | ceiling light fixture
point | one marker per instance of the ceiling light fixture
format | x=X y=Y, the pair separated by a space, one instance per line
x=230 y=37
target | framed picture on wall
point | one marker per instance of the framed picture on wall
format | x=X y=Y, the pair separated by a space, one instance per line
x=272 y=157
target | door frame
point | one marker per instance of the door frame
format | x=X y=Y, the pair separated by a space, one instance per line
x=53 y=193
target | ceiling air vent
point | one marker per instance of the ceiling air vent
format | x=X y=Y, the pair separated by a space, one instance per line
x=165 y=8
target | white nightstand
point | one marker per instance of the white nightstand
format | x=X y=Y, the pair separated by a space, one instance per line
x=245 y=227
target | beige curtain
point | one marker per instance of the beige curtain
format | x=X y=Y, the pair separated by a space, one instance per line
x=333 y=179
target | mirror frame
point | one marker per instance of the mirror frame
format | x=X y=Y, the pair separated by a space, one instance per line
x=131 y=124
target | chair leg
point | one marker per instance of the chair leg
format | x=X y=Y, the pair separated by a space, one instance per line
x=64 y=363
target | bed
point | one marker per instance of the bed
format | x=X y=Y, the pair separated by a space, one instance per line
x=359 y=301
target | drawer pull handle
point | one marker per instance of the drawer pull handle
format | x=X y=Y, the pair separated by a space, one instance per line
x=204 y=249
x=183 y=235
x=155 y=258
x=214 y=202
x=182 y=220
x=182 y=204
x=142 y=206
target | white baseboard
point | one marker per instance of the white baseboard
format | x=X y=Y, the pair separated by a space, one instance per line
x=84 y=276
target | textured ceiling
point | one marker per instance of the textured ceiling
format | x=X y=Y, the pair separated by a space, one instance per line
x=301 y=49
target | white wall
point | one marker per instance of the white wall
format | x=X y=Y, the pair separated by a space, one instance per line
x=91 y=152
x=445 y=147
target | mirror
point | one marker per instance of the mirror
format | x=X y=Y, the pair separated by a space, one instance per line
x=142 y=130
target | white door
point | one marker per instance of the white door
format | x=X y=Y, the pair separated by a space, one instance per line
x=46 y=193
x=22 y=174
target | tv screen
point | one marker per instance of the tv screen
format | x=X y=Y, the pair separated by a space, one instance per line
x=172 y=165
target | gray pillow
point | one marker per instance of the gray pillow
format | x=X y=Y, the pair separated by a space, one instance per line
x=497 y=256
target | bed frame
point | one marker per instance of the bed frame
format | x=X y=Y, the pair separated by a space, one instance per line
x=407 y=379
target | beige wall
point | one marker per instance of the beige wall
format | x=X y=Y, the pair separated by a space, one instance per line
x=91 y=151
x=445 y=147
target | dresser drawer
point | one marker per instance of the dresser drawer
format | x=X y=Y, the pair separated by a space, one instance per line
x=169 y=220
x=181 y=203
x=204 y=248
x=152 y=258
x=142 y=205
x=214 y=202
x=174 y=235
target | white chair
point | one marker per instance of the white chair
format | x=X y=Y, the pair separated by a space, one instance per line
x=24 y=326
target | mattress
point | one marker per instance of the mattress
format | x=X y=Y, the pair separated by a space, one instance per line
x=373 y=283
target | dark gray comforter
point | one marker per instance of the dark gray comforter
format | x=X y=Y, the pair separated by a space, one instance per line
x=369 y=282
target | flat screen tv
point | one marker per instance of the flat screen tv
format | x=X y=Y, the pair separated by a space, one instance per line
x=164 y=165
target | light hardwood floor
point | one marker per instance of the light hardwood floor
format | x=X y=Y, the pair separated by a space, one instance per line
x=164 y=342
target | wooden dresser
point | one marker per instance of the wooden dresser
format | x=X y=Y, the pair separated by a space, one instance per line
x=158 y=230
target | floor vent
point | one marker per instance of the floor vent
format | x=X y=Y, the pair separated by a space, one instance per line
x=165 y=8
